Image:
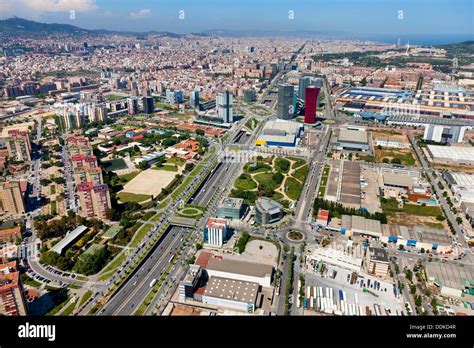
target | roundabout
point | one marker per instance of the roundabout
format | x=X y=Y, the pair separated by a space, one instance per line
x=190 y=212
x=295 y=236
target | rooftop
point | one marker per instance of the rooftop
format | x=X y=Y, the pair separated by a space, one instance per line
x=456 y=153
x=235 y=203
x=360 y=223
x=216 y=223
x=449 y=274
x=397 y=180
x=378 y=254
x=239 y=267
x=231 y=289
x=68 y=238
x=268 y=205
x=353 y=136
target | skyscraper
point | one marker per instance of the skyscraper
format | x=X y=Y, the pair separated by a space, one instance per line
x=132 y=106
x=194 y=98
x=174 y=96
x=285 y=101
x=249 y=95
x=148 y=105
x=94 y=200
x=303 y=84
x=311 y=105
x=215 y=232
x=224 y=106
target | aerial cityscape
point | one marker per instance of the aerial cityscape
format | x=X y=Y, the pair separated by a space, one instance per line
x=169 y=166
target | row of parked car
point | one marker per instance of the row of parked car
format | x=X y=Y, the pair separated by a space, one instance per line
x=40 y=278
x=60 y=273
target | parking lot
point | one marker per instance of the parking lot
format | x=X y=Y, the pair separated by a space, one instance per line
x=379 y=297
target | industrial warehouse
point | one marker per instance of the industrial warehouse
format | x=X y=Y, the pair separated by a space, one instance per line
x=280 y=133
x=462 y=155
x=353 y=140
x=225 y=283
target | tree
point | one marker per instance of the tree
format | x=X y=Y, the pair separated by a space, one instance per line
x=199 y=132
x=401 y=247
x=91 y=263
x=459 y=220
x=396 y=160
x=418 y=301
x=413 y=289
x=385 y=160
x=143 y=165
x=188 y=167
x=440 y=217
x=167 y=142
x=379 y=147
x=409 y=274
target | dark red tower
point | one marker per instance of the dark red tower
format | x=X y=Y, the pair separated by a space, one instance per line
x=310 y=104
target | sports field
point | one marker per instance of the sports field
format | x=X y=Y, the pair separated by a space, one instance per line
x=149 y=182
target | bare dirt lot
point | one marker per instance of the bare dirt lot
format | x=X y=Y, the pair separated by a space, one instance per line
x=409 y=220
x=150 y=182
x=261 y=251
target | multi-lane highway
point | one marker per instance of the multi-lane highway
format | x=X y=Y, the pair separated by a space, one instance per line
x=137 y=286
x=304 y=204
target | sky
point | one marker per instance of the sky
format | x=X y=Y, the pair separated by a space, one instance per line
x=357 y=18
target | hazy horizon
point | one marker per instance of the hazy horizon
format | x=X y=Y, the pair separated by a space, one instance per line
x=420 y=21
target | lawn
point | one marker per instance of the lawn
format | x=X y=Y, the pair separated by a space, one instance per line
x=321 y=191
x=112 y=97
x=138 y=236
x=54 y=208
x=156 y=217
x=326 y=170
x=390 y=207
x=190 y=211
x=301 y=173
x=132 y=197
x=298 y=162
x=266 y=179
x=60 y=306
x=257 y=167
x=53 y=189
x=69 y=309
x=292 y=188
x=74 y=286
x=324 y=181
x=245 y=182
x=107 y=275
x=175 y=160
x=405 y=156
x=251 y=123
x=162 y=204
x=127 y=177
x=167 y=167
x=31 y=282
x=85 y=297
x=114 y=264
